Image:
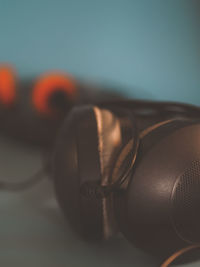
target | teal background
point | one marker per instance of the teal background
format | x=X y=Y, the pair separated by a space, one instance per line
x=148 y=49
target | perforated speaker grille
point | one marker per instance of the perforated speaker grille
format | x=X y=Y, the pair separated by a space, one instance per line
x=186 y=204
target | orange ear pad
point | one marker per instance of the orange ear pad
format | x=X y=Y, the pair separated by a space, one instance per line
x=49 y=85
x=7 y=85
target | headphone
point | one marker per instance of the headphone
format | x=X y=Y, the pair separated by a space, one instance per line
x=118 y=166
x=32 y=110
x=132 y=167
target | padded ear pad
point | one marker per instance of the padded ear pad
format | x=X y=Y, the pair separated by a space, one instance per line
x=7 y=86
x=88 y=144
x=54 y=92
x=159 y=210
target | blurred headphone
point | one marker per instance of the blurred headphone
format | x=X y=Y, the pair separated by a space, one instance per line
x=132 y=167
x=32 y=110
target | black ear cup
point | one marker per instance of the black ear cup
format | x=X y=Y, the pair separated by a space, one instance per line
x=89 y=143
x=159 y=210
x=116 y=169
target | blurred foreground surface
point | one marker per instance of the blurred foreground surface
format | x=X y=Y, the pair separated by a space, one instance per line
x=34 y=231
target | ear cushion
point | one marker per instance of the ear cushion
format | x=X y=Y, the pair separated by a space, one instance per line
x=145 y=210
x=76 y=160
x=7 y=85
x=86 y=148
x=54 y=91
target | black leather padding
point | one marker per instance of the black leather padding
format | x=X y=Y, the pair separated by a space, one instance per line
x=76 y=160
x=87 y=149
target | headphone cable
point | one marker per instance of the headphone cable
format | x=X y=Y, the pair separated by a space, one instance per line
x=178 y=253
